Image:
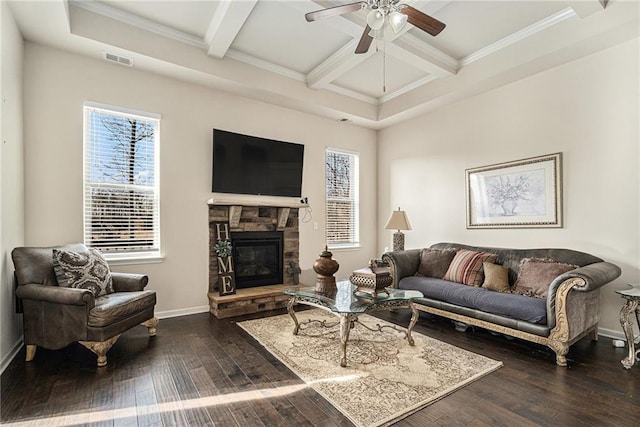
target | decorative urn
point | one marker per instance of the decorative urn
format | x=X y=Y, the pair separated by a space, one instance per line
x=325 y=267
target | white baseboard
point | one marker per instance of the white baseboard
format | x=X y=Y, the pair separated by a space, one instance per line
x=612 y=333
x=14 y=351
x=182 y=312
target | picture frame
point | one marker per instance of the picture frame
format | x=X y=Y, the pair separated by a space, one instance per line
x=524 y=193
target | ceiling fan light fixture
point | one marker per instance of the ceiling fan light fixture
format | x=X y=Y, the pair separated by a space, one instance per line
x=375 y=19
x=377 y=34
x=397 y=21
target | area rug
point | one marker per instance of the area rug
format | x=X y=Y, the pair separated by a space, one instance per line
x=385 y=379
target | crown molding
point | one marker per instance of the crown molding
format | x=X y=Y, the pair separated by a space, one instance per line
x=351 y=93
x=449 y=63
x=138 y=22
x=265 y=65
x=407 y=88
x=518 y=36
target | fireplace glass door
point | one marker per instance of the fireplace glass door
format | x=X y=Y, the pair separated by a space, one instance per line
x=257 y=258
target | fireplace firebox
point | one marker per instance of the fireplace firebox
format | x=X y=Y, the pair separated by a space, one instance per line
x=258 y=258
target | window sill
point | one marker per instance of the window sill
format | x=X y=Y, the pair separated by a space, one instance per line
x=345 y=248
x=121 y=259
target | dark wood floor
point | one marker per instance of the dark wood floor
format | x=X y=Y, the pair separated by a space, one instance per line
x=204 y=371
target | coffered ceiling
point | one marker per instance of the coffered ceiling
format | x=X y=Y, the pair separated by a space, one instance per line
x=264 y=49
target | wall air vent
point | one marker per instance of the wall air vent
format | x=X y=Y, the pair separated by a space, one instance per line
x=122 y=60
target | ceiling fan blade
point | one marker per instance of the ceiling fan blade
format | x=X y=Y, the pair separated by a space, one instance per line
x=423 y=21
x=365 y=41
x=335 y=10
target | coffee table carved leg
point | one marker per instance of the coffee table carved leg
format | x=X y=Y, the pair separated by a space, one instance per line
x=345 y=327
x=292 y=313
x=625 y=321
x=412 y=323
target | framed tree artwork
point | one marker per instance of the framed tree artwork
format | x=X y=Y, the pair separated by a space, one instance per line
x=520 y=194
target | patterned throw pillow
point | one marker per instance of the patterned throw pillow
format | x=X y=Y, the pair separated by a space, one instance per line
x=86 y=270
x=496 y=277
x=435 y=262
x=466 y=267
x=536 y=275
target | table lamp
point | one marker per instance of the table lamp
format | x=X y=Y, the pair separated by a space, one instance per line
x=398 y=221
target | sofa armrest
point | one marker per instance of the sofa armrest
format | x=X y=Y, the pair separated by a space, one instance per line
x=402 y=263
x=586 y=280
x=56 y=294
x=593 y=275
x=128 y=282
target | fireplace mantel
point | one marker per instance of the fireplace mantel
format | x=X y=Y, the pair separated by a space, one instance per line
x=240 y=200
x=236 y=203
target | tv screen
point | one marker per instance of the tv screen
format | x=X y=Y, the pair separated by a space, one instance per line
x=244 y=164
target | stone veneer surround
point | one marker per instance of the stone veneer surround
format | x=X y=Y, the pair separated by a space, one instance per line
x=260 y=216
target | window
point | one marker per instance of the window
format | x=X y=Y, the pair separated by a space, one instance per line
x=121 y=192
x=342 y=199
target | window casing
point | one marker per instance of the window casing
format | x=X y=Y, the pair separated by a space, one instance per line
x=342 y=199
x=121 y=181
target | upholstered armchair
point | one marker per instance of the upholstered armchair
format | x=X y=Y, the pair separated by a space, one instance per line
x=55 y=316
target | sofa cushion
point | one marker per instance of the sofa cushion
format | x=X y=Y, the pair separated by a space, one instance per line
x=86 y=270
x=118 y=306
x=511 y=258
x=466 y=267
x=435 y=262
x=496 y=277
x=510 y=305
x=536 y=274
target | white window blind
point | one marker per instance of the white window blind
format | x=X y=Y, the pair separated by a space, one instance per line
x=342 y=188
x=121 y=191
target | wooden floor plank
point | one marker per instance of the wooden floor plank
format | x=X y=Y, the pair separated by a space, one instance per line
x=203 y=371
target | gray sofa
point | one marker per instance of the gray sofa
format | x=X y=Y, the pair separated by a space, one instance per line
x=569 y=312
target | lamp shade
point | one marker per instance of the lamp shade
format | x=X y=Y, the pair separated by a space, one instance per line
x=398 y=221
x=375 y=19
x=397 y=21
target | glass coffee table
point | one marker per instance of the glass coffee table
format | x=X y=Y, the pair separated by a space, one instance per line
x=346 y=304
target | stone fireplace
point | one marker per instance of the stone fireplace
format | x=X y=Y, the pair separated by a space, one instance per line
x=265 y=240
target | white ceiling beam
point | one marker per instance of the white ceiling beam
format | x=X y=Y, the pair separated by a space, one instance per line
x=585 y=8
x=336 y=65
x=414 y=51
x=227 y=20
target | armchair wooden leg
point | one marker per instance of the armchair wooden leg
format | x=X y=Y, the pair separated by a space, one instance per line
x=31 y=352
x=593 y=334
x=100 y=348
x=151 y=325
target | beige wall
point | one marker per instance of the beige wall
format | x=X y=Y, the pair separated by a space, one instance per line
x=11 y=179
x=586 y=109
x=56 y=85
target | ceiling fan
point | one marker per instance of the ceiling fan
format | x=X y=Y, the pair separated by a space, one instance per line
x=381 y=11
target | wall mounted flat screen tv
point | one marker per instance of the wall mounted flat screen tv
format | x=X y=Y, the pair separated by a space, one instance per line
x=244 y=164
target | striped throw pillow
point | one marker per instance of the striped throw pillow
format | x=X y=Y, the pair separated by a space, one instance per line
x=466 y=267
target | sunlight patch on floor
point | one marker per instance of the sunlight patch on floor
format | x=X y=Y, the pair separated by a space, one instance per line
x=200 y=402
x=135 y=411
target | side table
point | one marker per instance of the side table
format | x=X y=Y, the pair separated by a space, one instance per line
x=631 y=306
